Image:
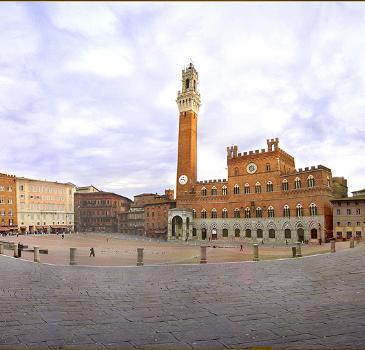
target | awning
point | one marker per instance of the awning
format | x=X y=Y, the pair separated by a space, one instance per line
x=60 y=226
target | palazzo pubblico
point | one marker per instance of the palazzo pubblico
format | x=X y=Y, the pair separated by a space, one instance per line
x=264 y=198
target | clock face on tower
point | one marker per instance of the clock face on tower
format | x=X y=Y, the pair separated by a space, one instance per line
x=183 y=180
x=251 y=168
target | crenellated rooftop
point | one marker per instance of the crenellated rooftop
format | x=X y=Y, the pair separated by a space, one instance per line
x=272 y=146
x=212 y=181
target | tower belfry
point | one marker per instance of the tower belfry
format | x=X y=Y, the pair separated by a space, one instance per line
x=188 y=102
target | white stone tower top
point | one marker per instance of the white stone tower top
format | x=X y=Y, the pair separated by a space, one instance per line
x=189 y=98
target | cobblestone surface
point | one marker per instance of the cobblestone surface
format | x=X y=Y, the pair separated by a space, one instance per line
x=309 y=303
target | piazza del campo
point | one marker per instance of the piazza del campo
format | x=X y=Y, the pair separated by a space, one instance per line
x=269 y=256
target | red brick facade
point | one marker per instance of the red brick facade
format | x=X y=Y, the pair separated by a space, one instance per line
x=98 y=211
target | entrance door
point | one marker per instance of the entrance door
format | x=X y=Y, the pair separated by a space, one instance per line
x=300 y=232
x=204 y=233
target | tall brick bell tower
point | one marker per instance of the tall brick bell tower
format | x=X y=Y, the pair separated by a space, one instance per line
x=188 y=102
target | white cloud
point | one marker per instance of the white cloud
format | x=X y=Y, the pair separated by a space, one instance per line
x=92 y=89
x=108 y=62
x=91 y=20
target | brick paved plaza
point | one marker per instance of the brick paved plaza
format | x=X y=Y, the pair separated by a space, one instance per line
x=312 y=302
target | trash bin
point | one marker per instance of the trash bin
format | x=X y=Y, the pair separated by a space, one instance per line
x=294 y=251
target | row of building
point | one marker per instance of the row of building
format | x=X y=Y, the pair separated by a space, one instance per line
x=41 y=206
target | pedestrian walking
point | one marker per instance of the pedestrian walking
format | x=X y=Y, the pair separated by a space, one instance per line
x=63 y=236
x=92 y=252
x=286 y=242
x=241 y=250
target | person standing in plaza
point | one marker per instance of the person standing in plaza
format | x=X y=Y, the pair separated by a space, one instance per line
x=92 y=252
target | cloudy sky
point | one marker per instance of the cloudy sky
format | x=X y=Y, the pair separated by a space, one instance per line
x=88 y=90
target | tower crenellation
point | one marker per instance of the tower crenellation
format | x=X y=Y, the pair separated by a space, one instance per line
x=188 y=98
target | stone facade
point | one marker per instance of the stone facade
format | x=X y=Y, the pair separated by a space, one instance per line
x=98 y=211
x=349 y=216
x=148 y=215
x=45 y=206
x=8 y=207
x=263 y=197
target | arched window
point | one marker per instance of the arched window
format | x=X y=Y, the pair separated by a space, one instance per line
x=299 y=210
x=285 y=185
x=313 y=210
x=236 y=172
x=214 y=191
x=214 y=213
x=194 y=232
x=247 y=213
x=287 y=233
x=258 y=187
x=248 y=233
x=271 y=233
x=270 y=212
x=194 y=85
x=237 y=232
x=194 y=214
x=187 y=83
x=247 y=188
x=225 y=232
x=286 y=211
x=236 y=213
x=311 y=182
x=224 y=213
x=258 y=212
x=236 y=189
x=224 y=190
x=269 y=187
x=203 y=214
x=203 y=191
x=328 y=181
x=297 y=183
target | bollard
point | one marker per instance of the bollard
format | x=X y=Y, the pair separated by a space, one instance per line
x=140 y=256
x=1 y=248
x=333 y=246
x=73 y=256
x=299 y=249
x=294 y=251
x=256 y=252
x=203 y=254
x=352 y=242
x=16 y=250
x=36 y=254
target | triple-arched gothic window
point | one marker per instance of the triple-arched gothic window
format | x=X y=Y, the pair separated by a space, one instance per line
x=270 y=212
x=224 y=190
x=285 y=185
x=313 y=210
x=299 y=210
x=269 y=187
x=224 y=213
x=286 y=211
x=203 y=191
x=297 y=183
x=236 y=189
x=214 y=213
x=214 y=191
x=311 y=181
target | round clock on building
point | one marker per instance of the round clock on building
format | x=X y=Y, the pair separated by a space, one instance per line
x=183 y=180
x=251 y=168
